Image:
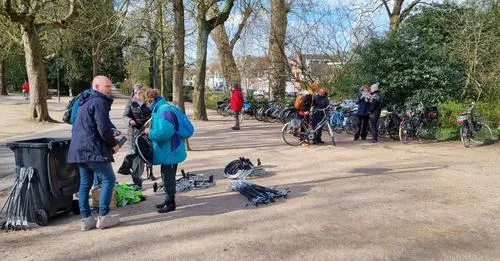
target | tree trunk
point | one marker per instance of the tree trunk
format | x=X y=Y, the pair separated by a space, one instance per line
x=277 y=58
x=225 y=53
x=178 y=77
x=95 y=61
x=3 y=84
x=199 y=110
x=37 y=75
x=393 y=23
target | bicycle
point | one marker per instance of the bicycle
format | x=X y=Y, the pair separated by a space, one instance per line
x=419 y=124
x=343 y=121
x=388 y=123
x=296 y=130
x=472 y=129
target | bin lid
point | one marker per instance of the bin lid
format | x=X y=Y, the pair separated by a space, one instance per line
x=38 y=143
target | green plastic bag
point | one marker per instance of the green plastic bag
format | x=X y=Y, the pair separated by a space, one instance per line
x=126 y=195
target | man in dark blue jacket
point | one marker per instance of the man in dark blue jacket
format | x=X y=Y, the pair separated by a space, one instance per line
x=92 y=147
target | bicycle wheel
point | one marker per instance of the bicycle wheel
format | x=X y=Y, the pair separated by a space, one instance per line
x=483 y=134
x=428 y=131
x=291 y=133
x=464 y=136
x=381 y=126
x=404 y=132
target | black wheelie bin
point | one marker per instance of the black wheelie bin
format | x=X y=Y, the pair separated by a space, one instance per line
x=57 y=179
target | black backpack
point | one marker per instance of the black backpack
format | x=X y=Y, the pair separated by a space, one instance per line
x=67 y=112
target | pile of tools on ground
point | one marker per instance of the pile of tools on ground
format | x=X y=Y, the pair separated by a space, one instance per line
x=188 y=181
x=23 y=201
x=240 y=169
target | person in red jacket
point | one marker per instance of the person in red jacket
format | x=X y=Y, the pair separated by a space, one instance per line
x=26 y=90
x=236 y=104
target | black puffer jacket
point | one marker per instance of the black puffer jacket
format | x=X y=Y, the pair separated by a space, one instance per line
x=138 y=112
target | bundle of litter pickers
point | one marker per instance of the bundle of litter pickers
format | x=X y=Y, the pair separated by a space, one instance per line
x=240 y=169
x=22 y=202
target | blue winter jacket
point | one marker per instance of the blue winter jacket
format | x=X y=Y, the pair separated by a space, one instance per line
x=362 y=106
x=92 y=137
x=168 y=147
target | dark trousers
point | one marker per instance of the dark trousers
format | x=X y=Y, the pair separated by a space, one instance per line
x=168 y=177
x=317 y=117
x=362 y=129
x=374 y=124
x=137 y=170
x=237 y=119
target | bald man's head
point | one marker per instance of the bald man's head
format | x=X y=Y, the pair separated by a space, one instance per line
x=102 y=84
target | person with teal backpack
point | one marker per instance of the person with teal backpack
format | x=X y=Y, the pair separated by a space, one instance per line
x=168 y=133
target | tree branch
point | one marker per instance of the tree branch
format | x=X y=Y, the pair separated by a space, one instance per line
x=14 y=16
x=70 y=16
x=246 y=15
x=387 y=7
x=222 y=17
x=408 y=9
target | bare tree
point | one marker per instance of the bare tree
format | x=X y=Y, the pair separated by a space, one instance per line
x=205 y=26
x=178 y=74
x=277 y=57
x=398 y=13
x=225 y=46
x=25 y=15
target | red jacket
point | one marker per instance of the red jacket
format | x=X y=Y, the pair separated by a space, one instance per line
x=237 y=101
x=26 y=87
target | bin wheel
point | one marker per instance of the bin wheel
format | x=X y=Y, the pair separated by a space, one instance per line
x=41 y=217
x=75 y=208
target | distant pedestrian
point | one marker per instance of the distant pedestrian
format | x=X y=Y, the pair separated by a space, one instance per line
x=303 y=113
x=92 y=147
x=320 y=101
x=374 y=109
x=236 y=104
x=26 y=89
x=362 y=100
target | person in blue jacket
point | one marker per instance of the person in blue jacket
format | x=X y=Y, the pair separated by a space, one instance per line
x=92 y=147
x=363 y=102
x=169 y=148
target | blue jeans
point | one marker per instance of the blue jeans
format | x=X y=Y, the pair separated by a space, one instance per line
x=104 y=171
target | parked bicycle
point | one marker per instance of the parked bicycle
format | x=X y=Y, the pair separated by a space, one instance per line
x=388 y=123
x=472 y=129
x=223 y=108
x=296 y=130
x=419 y=123
x=342 y=119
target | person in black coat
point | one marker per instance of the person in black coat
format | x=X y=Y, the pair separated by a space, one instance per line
x=92 y=147
x=136 y=114
x=374 y=109
x=320 y=101
x=362 y=100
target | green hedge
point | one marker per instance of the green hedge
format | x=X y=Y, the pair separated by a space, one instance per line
x=489 y=113
x=211 y=98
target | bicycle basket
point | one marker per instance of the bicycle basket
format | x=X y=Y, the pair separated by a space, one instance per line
x=431 y=113
x=461 y=119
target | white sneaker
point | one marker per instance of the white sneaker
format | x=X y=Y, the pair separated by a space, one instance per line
x=88 y=223
x=107 y=221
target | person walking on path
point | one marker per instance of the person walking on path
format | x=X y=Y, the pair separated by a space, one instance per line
x=236 y=104
x=169 y=148
x=136 y=114
x=374 y=109
x=26 y=89
x=362 y=101
x=92 y=147
x=320 y=101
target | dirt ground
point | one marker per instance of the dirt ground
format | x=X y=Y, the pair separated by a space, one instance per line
x=355 y=201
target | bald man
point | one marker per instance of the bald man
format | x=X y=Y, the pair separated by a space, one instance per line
x=92 y=147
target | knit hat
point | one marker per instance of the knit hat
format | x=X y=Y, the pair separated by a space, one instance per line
x=374 y=87
x=138 y=87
